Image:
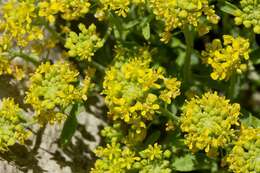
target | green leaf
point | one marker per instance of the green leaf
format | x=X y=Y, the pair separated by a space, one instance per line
x=70 y=126
x=184 y=163
x=130 y=24
x=146 y=31
x=255 y=56
x=251 y=121
x=230 y=8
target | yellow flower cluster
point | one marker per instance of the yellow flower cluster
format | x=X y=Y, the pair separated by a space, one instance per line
x=53 y=88
x=12 y=128
x=244 y=157
x=9 y=68
x=85 y=44
x=228 y=58
x=115 y=158
x=180 y=13
x=154 y=160
x=130 y=87
x=208 y=121
x=120 y=7
x=249 y=15
x=16 y=22
x=69 y=9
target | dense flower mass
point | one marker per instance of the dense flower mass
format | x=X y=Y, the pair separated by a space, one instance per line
x=16 y=22
x=154 y=160
x=116 y=158
x=53 y=88
x=245 y=155
x=132 y=75
x=85 y=44
x=180 y=13
x=249 y=15
x=227 y=59
x=208 y=121
x=12 y=124
x=69 y=9
x=129 y=88
x=120 y=7
x=8 y=67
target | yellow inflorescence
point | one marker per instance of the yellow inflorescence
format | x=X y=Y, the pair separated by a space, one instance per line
x=12 y=128
x=4 y=66
x=114 y=159
x=249 y=15
x=245 y=156
x=207 y=122
x=85 y=44
x=69 y=9
x=120 y=7
x=154 y=160
x=228 y=58
x=171 y=91
x=180 y=13
x=7 y=67
x=52 y=89
x=129 y=88
x=16 y=22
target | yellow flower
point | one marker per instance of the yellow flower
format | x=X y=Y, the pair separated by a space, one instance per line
x=154 y=160
x=172 y=90
x=152 y=152
x=129 y=87
x=53 y=88
x=114 y=158
x=4 y=66
x=69 y=9
x=85 y=44
x=249 y=15
x=12 y=124
x=120 y=7
x=180 y=13
x=207 y=122
x=16 y=20
x=8 y=67
x=244 y=157
x=228 y=58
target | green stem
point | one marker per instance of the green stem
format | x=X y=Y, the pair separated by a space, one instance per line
x=98 y=66
x=170 y=115
x=232 y=89
x=107 y=34
x=187 y=63
x=24 y=57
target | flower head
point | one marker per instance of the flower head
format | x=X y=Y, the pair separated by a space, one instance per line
x=85 y=44
x=52 y=88
x=12 y=124
x=16 y=20
x=245 y=155
x=208 y=122
x=130 y=87
x=120 y=7
x=249 y=15
x=180 y=13
x=114 y=158
x=154 y=160
x=228 y=58
x=69 y=9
